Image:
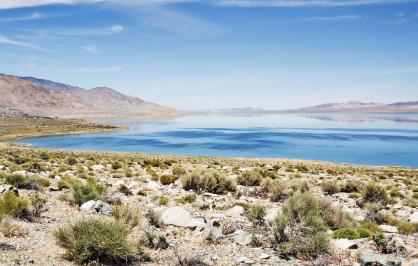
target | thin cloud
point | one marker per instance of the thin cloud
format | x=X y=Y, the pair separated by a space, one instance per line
x=8 y=41
x=31 y=16
x=95 y=69
x=115 y=29
x=401 y=70
x=333 y=18
x=401 y=18
x=91 y=49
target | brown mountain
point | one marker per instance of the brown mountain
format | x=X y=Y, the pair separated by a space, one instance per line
x=48 y=98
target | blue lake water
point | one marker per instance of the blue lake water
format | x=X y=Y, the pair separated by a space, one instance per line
x=374 y=139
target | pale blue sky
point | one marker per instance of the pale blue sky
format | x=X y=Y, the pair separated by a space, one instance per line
x=196 y=54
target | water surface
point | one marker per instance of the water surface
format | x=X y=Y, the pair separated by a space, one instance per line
x=373 y=139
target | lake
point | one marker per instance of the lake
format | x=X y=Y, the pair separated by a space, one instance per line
x=373 y=139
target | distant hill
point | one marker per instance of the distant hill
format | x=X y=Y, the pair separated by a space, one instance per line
x=399 y=107
x=44 y=97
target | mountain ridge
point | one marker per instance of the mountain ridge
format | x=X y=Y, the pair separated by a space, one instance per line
x=45 y=97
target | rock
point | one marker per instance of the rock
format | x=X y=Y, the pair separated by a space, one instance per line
x=97 y=206
x=245 y=260
x=54 y=187
x=113 y=199
x=271 y=215
x=369 y=258
x=57 y=177
x=389 y=229
x=264 y=256
x=214 y=233
x=413 y=218
x=98 y=167
x=242 y=238
x=152 y=185
x=180 y=217
x=235 y=211
x=23 y=172
x=8 y=188
x=396 y=245
x=344 y=243
x=2 y=167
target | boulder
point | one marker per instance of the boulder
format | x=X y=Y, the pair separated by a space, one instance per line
x=178 y=216
x=8 y=188
x=345 y=244
x=396 y=245
x=389 y=229
x=413 y=218
x=98 y=167
x=96 y=206
x=242 y=238
x=235 y=211
x=370 y=258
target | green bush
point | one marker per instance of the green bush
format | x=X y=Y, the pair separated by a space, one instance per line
x=167 y=179
x=188 y=198
x=18 y=181
x=96 y=240
x=161 y=200
x=300 y=230
x=211 y=180
x=250 y=178
x=84 y=192
x=349 y=233
x=256 y=213
x=178 y=170
x=375 y=194
x=12 y=205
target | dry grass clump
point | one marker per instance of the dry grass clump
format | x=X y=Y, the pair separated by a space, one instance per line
x=96 y=240
x=178 y=171
x=375 y=194
x=127 y=214
x=301 y=229
x=24 y=182
x=10 y=227
x=82 y=193
x=330 y=187
x=250 y=178
x=210 y=180
x=167 y=179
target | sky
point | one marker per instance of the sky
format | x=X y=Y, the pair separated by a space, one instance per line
x=206 y=54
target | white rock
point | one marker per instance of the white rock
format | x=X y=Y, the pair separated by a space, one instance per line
x=98 y=167
x=389 y=228
x=235 y=211
x=2 y=167
x=152 y=185
x=264 y=256
x=97 y=206
x=180 y=217
x=413 y=218
x=57 y=177
x=241 y=237
x=8 y=188
x=271 y=215
x=245 y=260
x=344 y=243
x=23 y=172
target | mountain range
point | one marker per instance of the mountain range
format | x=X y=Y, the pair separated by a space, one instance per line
x=43 y=97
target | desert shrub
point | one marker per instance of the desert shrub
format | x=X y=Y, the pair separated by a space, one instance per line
x=188 y=198
x=71 y=161
x=178 y=171
x=10 y=227
x=404 y=227
x=364 y=233
x=96 y=240
x=277 y=190
x=66 y=182
x=124 y=189
x=161 y=200
x=375 y=193
x=211 y=180
x=126 y=214
x=167 y=179
x=18 y=181
x=12 y=205
x=351 y=186
x=84 y=192
x=250 y=178
x=154 y=218
x=256 y=213
x=38 y=204
x=330 y=188
x=370 y=226
x=116 y=165
x=374 y=212
x=335 y=217
x=301 y=228
x=156 y=240
x=349 y=233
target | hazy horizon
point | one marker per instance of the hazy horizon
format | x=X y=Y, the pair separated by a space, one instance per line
x=212 y=54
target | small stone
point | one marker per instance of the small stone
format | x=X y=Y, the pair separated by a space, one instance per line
x=245 y=260
x=413 y=218
x=389 y=228
x=344 y=243
x=264 y=256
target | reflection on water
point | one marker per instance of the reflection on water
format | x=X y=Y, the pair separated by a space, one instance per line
x=355 y=138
